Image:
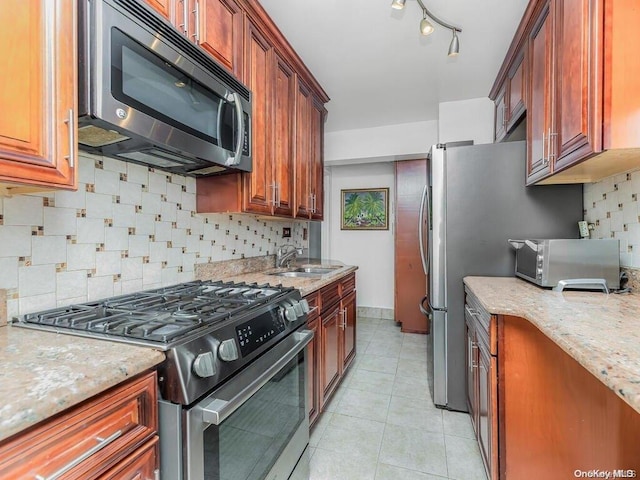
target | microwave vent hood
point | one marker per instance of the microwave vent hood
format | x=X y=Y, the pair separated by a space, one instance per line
x=148 y=95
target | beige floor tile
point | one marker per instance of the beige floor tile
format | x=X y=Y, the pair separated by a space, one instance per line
x=377 y=363
x=370 y=381
x=414 y=449
x=412 y=387
x=463 y=459
x=361 y=404
x=344 y=465
x=345 y=433
x=458 y=424
x=389 y=472
x=412 y=367
x=413 y=351
x=319 y=428
x=384 y=349
x=409 y=412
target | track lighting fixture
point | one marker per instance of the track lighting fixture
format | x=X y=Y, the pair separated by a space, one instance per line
x=426 y=27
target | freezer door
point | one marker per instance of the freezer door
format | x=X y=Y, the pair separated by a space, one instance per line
x=437 y=237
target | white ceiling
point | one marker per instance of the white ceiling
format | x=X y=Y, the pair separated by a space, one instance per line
x=378 y=69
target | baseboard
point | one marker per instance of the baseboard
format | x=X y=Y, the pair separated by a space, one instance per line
x=376 y=312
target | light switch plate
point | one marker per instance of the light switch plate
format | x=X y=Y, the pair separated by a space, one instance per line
x=584 y=229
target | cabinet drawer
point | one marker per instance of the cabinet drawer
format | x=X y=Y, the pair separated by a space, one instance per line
x=347 y=284
x=86 y=440
x=329 y=296
x=140 y=465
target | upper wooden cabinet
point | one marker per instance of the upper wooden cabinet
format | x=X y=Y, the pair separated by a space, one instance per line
x=163 y=7
x=581 y=80
x=220 y=31
x=38 y=97
x=287 y=132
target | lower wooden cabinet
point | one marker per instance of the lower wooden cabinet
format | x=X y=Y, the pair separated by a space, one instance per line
x=113 y=435
x=329 y=355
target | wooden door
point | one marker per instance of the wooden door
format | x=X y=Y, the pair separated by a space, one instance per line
x=283 y=135
x=539 y=124
x=348 y=309
x=38 y=97
x=500 y=126
x=313 y=378
x=302 y=207
x=329 y=351
x=163 y=7
x=220 y=32
x=578 y=87
x=410 y=279
x=259 y=188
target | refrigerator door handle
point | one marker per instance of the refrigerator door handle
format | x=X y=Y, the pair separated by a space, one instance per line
x=425 y=198
x=426 y=313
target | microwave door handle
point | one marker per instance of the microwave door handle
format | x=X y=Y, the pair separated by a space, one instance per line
x=235 y=99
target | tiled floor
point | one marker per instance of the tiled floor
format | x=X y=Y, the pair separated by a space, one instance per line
x=382 y=424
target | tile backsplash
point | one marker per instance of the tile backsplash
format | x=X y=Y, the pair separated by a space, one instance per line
x=612 y=206
x=126 y=228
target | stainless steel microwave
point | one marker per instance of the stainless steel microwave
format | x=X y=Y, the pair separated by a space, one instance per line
x=150 y=96
x=577 y=263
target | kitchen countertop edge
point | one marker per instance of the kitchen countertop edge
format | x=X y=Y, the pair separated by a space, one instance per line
x=601 y=332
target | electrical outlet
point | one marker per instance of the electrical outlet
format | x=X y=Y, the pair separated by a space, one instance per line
x=286 y=232
x=584 y=229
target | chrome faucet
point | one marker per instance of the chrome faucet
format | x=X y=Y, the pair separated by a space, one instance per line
x=286 y=254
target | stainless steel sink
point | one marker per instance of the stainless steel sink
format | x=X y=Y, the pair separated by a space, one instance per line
x=306 y=272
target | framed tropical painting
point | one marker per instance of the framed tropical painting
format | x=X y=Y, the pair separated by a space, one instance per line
x=365 y=209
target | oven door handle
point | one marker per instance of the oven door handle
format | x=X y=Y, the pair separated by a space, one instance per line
x=218 y=410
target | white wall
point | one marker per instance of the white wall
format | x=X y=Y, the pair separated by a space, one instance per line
x=371 y=250
x=466 y=120
x=380 y=144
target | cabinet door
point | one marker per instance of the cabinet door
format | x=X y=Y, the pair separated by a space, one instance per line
x=163 y=7
x=313 y=379
x=501 y=115
x=259 y=188
x=348 y=326
x=329 y=352
x=220 y=32
x=515 y=103
x=38 y=93
x=316 y=161
x=472 y=376
x=485 y=401
x=578 y=112
x=303 y=202
x=540 y=96
x=283 y=135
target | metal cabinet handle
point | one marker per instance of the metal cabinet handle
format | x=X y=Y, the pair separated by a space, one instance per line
x=185 y=18
x=552 y=146
x=196 y=13
x=277 y=194
x=77 y=461
x=312 y=309
x=272 y=186
x=343 y=324
x=71 y=123
x=474 y=346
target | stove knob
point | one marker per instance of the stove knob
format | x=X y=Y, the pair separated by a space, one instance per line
x=305 y=305
x=227 y=351
x=299 y=309
x=204 y=365
x=290 y=313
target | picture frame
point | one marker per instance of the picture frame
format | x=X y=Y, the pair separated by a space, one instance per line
x=364 y=209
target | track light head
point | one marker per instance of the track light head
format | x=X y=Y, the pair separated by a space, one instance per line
x=425 y=25
x=454 y=46
x=398 y=4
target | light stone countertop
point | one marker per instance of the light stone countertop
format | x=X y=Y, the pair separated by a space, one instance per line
x=44 y=373
x=601 y=332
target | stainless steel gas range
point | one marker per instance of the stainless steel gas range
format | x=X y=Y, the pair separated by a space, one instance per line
x=233 y=383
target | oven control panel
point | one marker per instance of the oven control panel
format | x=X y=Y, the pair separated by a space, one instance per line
x=257 y=331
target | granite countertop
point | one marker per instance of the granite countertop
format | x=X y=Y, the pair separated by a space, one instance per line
x=44 y=373
x=258 y=271
x=600 y=331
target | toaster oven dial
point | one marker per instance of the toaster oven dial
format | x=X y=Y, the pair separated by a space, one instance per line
x=204 y=365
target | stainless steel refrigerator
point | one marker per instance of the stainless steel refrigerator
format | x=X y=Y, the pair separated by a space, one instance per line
x=475 y=200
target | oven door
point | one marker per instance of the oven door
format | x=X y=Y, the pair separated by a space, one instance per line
x=255 y=427
x=142 y=83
